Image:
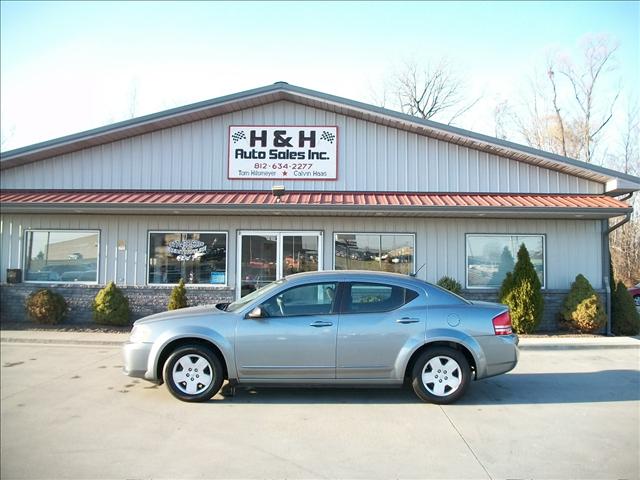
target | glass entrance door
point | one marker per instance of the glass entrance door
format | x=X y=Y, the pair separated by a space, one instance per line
x=267 y=256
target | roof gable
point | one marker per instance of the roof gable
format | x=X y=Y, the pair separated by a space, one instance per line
x=616 y=182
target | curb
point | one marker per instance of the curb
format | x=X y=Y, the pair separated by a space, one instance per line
x=48 y=341
x=557 y=346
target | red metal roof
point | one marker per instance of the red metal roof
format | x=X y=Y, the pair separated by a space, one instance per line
x=320 y=199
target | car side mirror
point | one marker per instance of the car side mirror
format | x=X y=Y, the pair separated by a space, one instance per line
x=255 y=313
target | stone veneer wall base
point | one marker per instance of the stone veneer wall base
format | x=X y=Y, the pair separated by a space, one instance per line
x=143 y=301
x=147 y=300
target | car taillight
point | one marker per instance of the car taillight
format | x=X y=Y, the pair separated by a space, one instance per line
x=502 y=324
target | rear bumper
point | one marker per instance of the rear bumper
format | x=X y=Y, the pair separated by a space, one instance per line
x=501 y=354
x=136 y=359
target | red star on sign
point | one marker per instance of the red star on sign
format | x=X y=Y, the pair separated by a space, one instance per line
x=284 y=174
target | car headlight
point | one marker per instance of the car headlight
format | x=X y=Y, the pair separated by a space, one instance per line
x=139 y=333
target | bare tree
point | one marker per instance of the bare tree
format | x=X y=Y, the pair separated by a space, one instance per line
x=435 y=92
x=624 y=242
x=625 y=254
x=501 y=117
x=133 y=99
x=556 y=109
x=629 y=141
x=598 y=54
x=541 y=121
x=6 y=135
x=567 y=109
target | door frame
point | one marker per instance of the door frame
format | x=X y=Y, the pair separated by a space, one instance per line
x=279 y=234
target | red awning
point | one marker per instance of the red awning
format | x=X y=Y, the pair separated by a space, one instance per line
x=326 y=201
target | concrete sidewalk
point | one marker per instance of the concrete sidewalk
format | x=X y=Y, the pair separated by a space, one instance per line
x=533 y=342
x=63 y=338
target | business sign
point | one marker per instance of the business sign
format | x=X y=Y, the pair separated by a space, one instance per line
x=283 y=153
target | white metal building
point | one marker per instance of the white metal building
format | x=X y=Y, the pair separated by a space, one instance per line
x=189 y=193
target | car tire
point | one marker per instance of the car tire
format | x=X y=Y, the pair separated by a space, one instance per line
x=440 y=375
x=193 y=373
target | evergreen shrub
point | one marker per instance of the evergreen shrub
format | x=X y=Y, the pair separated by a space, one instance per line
x=450 y=284
x=521 y=290
x=46 y=307
x=582 y=309
x=111 y=307
x=625 y=318
x=178 y=297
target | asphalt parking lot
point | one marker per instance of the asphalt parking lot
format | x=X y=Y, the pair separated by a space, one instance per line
x=68 y=412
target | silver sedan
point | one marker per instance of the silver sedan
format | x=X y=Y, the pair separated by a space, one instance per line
x=327 y=328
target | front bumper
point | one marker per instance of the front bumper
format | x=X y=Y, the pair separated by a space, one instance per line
x=501 y=353
x=136 y=360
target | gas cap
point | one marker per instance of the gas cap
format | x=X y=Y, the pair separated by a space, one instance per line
x=453 y=320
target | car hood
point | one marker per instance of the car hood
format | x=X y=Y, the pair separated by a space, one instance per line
x=181 y=313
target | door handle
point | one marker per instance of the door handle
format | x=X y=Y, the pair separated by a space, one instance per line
x=320 y=323
x=407 y=320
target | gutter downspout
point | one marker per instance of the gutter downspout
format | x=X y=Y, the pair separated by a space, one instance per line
x=606 y=258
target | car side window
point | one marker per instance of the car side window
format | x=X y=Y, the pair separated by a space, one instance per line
x=312 y=299
x=375 y=297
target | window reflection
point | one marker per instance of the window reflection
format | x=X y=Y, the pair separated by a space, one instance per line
x=61 y=256
x=380 y=252
x=299 y=254
x=491 y=257
x=258 y=264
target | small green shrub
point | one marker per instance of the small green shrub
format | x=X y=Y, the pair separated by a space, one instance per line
x=450 y=284
x=45 y=306
x=111 y=307
x=178 y=297
x=522 y=292
x=625 y=319
x=582 y=309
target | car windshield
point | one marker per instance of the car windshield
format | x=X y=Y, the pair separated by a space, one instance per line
x=238 y=304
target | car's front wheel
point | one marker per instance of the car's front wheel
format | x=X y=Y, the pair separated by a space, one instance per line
x=193 y=373
x=441 y=375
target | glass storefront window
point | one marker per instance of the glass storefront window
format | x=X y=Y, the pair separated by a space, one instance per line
x=299 y=254
x=268 y=256
x=68 y=256
x=196 y=257
x=380 y=252
x=259 y=256
x=490 y=257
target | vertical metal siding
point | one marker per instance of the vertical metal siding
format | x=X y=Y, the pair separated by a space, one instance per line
x=370 y=157
x=572 y=246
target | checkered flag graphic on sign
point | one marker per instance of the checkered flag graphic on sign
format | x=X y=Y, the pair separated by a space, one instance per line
x=236 y=137
x=327 y=136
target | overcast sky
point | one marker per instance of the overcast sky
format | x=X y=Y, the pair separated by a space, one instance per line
x=69 y=67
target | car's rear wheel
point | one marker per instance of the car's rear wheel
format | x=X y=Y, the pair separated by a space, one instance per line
x=441 y=375
x=193 y=373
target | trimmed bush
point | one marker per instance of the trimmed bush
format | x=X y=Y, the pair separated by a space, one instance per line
x=522 y=292
x=45 y=306
x=450 y=284
x=178 y=297
x=111 y=307
x=625 y=319
x=582 y=309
